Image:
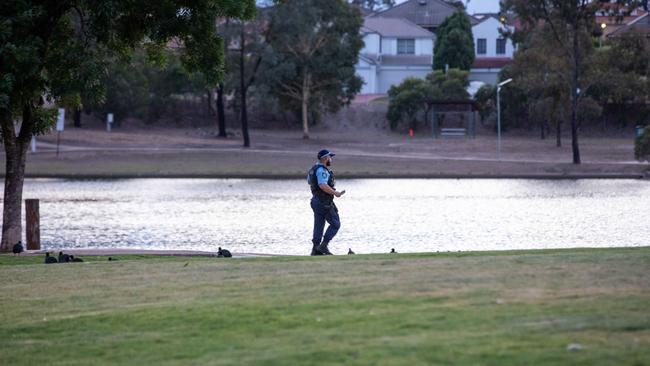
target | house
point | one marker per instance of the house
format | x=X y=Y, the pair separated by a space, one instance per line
x=492 y=50
x=640 y=24
x=399 y=43
x=394 y=49
x=428 y=14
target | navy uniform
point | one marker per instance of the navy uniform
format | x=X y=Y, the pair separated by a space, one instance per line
x=322 y=203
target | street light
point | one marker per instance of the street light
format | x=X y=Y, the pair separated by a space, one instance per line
x=602 y=26
x=499 y=116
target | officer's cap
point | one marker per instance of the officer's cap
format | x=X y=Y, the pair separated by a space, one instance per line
x=324 y=153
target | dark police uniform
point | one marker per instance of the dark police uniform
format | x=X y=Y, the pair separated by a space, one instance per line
x=323 y=205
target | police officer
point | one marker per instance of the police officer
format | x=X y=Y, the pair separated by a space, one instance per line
x=321 y=181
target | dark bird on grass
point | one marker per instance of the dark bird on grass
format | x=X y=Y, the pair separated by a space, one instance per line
x=111 y=259
x=393 y=250
x=49 y=259
x=350 y=251
x=18 y=248
x=223 y=253
x=73 y=259
x=63 y=258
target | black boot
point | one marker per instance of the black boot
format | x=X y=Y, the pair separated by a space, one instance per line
x=322 y=248
x=314 y=248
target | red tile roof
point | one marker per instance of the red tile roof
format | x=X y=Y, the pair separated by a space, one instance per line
x=491 y=62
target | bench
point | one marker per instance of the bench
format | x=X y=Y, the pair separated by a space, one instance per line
x=453 y=132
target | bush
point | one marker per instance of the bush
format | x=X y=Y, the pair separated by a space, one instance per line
x=642 y=145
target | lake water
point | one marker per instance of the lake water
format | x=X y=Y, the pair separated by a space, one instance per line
x=273 y=216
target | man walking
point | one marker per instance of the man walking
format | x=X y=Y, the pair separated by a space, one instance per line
x=321 y=180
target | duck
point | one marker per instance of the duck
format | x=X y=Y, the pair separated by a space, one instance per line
x=223 y=253
x=350 y=252
x=49 y=259
x=393 y=250
x=18 y=248
x=111 y=259
x=73 y=259
x=63 y=258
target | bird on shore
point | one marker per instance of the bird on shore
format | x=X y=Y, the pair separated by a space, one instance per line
x=49 y=259
x=223 y=253
x=18 y=248
x=393 y=250
x=111 y=259
x=350 y=252
x=63 y=258
x=73 y=259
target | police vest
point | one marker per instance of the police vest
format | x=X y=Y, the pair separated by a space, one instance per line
x=316 y=191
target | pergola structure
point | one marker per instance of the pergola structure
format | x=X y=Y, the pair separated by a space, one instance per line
x=461 y=121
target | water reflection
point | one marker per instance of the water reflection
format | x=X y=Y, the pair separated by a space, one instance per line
x=273 y=216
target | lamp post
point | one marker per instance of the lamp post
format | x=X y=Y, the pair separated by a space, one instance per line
x=499 y=116
x=602 y=26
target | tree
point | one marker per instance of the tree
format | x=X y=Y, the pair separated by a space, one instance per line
x=244 y=61
x=570 y=23
x=48 y=47
x=315 y=45
x=406 y=100
x=414 y=95
x=454 y=44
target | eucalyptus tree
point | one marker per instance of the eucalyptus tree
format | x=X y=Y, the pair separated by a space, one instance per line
x=52 y=51
x=570 y=22
x=315 y=46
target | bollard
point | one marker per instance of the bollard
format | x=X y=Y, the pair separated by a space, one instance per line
x=32 y=225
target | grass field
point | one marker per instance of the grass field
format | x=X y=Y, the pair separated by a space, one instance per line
x=561 y=307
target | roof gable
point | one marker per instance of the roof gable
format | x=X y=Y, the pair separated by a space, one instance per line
x=395 y=27
x=425 y=13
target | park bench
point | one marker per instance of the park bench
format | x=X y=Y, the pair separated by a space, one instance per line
x=453 y=132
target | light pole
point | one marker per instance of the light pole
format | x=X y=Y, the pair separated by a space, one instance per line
x=602 y=26
x=499 y=116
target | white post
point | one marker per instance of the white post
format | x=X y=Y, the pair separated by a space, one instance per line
x=60 y=125
x=33 y=144
x=109 y=122
x=499 y=116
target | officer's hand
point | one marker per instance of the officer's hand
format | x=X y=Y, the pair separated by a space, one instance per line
x=339 y=194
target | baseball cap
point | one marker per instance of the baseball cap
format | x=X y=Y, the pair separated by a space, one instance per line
x=324 y=153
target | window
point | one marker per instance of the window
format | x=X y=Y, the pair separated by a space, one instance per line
x=406 y=47
x=501 y=46
x=481 y=46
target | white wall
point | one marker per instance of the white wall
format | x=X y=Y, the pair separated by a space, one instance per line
x=369 y=76
x=371 y=43
x=388 y=76
x=489 y=30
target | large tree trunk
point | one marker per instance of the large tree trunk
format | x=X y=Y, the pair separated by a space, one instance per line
x=15 y=155
x=574 y=99
x=242 y=85
x=77 y=117
x=306 y=81
x=221 y=112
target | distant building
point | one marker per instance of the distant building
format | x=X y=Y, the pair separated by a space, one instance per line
x=492 y=50
x=399 y=43
x=394 y=50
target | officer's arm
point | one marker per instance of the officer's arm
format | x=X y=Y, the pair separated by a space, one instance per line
x=329 y=190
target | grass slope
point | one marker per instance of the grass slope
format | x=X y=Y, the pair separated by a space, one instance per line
x=509 y=308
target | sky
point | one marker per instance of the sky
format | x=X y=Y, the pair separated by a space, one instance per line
x=483 y=6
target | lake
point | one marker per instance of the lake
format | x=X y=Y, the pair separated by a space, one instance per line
x=410 y=215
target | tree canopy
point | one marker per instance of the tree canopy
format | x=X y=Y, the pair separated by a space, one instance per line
x=454 y=43
x=53 y=51
x=316 y=46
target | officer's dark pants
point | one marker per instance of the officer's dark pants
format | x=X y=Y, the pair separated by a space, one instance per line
x=323 y=213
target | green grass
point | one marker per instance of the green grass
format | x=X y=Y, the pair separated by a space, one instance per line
x=497 y=308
